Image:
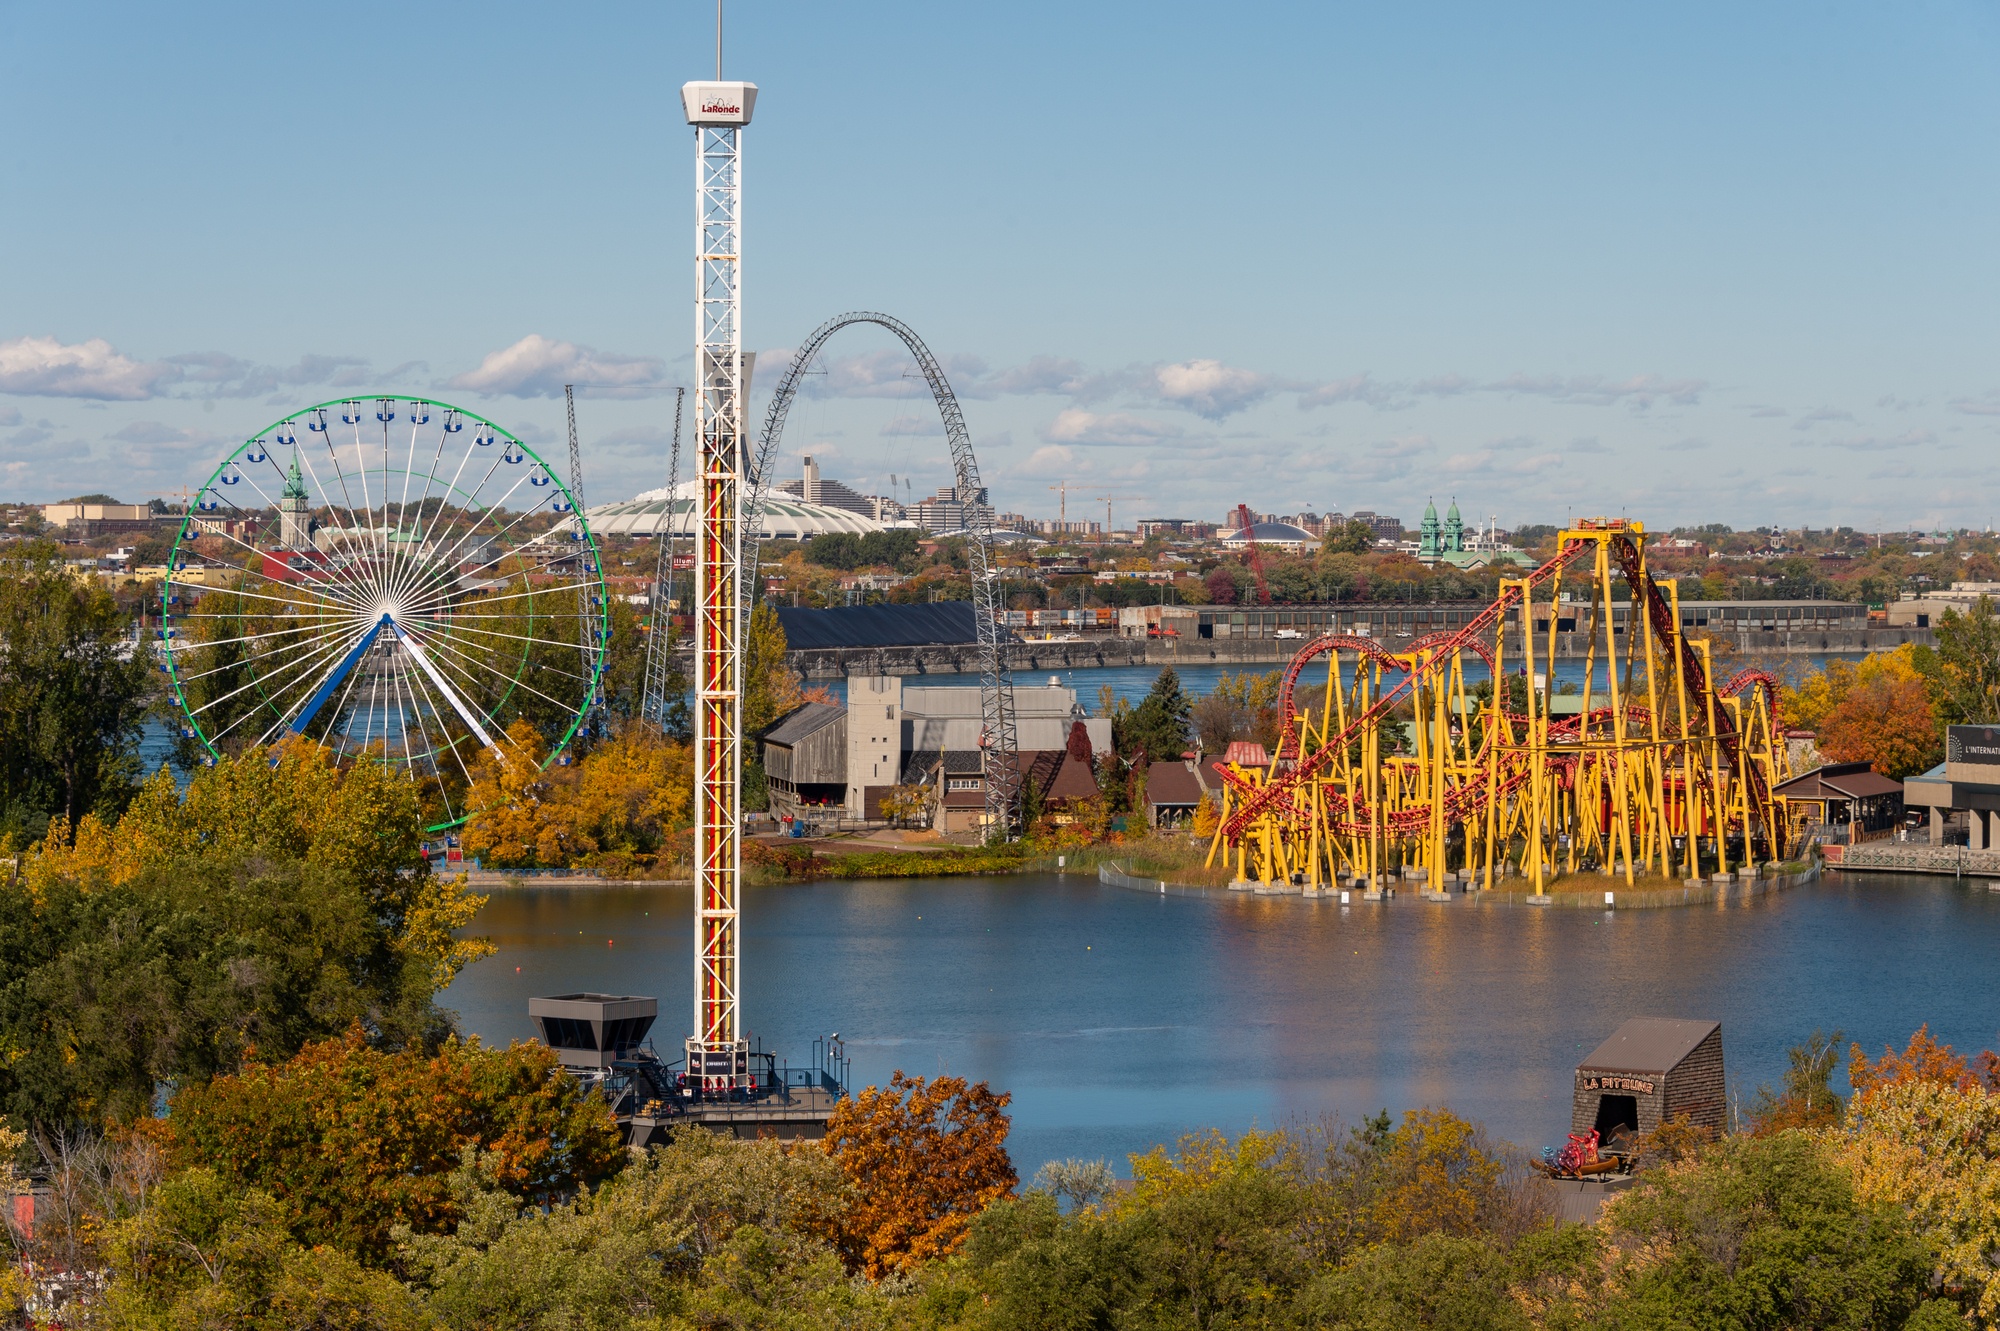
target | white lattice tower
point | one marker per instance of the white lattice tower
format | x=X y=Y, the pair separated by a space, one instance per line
x=717 y=1054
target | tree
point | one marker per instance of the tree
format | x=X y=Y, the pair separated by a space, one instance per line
x=1929 y=1147
x=353 y=1141
x=923 y=1158
x=1922 y=1060
x=71 y=694
x=704 y=1231
x=1807 y=1099
x=1886 y=719
x=1158 y=726
x=1963 y=670
x=1762 y=1231
x=771 y=688
x=1356 y=538
x=202 y=1253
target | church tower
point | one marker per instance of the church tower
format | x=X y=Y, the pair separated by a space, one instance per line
x=1427 y=538
x=295 y=511
x=1454 y=530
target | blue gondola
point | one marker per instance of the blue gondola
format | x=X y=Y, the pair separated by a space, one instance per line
x=285 y=436
x=207 y=502
x=318 y=424
x=231 y=478
x=255 y=453
x=513 y=459
x=452 y=424
x=383 y=414
x=540 y=478
x=484 y=439
x=420 y=413
x=354 y=418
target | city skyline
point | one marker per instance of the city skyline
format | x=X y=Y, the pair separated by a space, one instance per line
x=1689 y=267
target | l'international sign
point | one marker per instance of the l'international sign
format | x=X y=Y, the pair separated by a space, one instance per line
x=1972 y=754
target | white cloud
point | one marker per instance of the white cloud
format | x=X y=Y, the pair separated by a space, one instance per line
x=1076 y=426
x=1988 y=405
x=1211 y=389
x=1041 y=375
x=1050 y=460
x=538 y=367
x=44 y=367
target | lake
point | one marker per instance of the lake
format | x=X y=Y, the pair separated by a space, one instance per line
x=1120 y=1019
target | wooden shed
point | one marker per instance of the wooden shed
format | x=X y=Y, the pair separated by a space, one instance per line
x=805 y=758
x=1652 y=1069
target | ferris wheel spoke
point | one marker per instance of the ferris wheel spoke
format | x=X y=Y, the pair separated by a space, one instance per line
x=269 y=661
x=508 y=681
x=263 y=681
x=449 y=742
x=449 y=556
x=516 y=637
x=325 y=431
x=225 y=731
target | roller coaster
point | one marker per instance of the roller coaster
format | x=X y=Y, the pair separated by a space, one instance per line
x=1455 y=759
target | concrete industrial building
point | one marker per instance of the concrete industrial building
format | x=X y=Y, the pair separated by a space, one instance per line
x=824 y=760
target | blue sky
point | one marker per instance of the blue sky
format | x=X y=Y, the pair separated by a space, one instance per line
x=1687 y=263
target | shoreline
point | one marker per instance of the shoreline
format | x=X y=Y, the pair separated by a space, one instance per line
x=1639 y=898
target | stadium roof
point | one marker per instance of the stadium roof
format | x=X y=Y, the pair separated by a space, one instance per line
x=939 y=623
x=784 y=517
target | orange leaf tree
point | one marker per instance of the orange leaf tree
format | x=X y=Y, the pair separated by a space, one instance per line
x=1923 y=1060
x=352 y=1141
x=923 y=1159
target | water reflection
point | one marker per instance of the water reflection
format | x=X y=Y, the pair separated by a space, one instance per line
x=1120 y=1019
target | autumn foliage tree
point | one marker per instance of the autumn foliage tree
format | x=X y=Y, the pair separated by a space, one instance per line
x=923 y=1158
x=614 y=809
x=353 y=1140
x=1879 y=711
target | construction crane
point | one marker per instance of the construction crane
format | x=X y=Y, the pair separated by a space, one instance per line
x=1062 y=506
x=1107 y=501
x=590 y=632
x=1256 y=555
x=654 y=703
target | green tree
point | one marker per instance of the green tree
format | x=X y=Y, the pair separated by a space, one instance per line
x=203 y=1253
x=72 y=694
x=1158 y=726
x=1356 y=538
x=1761 y=1232
x=1962 y=673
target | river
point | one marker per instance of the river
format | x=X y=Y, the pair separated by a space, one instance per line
x=1119 y=1019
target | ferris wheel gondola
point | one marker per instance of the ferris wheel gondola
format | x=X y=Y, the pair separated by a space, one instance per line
x=392 y=588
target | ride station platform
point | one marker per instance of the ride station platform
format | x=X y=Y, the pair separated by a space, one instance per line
x=602 y=1040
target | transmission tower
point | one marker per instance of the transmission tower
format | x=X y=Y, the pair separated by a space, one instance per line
x=659 y=645
x=718 y=1057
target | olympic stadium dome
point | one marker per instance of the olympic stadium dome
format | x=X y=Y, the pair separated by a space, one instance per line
x=785 y=517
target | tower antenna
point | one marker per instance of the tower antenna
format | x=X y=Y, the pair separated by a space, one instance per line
x=718 y=41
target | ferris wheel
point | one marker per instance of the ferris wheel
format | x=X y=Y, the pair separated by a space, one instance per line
x=387 y=576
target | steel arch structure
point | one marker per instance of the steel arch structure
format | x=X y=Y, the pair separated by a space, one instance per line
x=996 y=688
